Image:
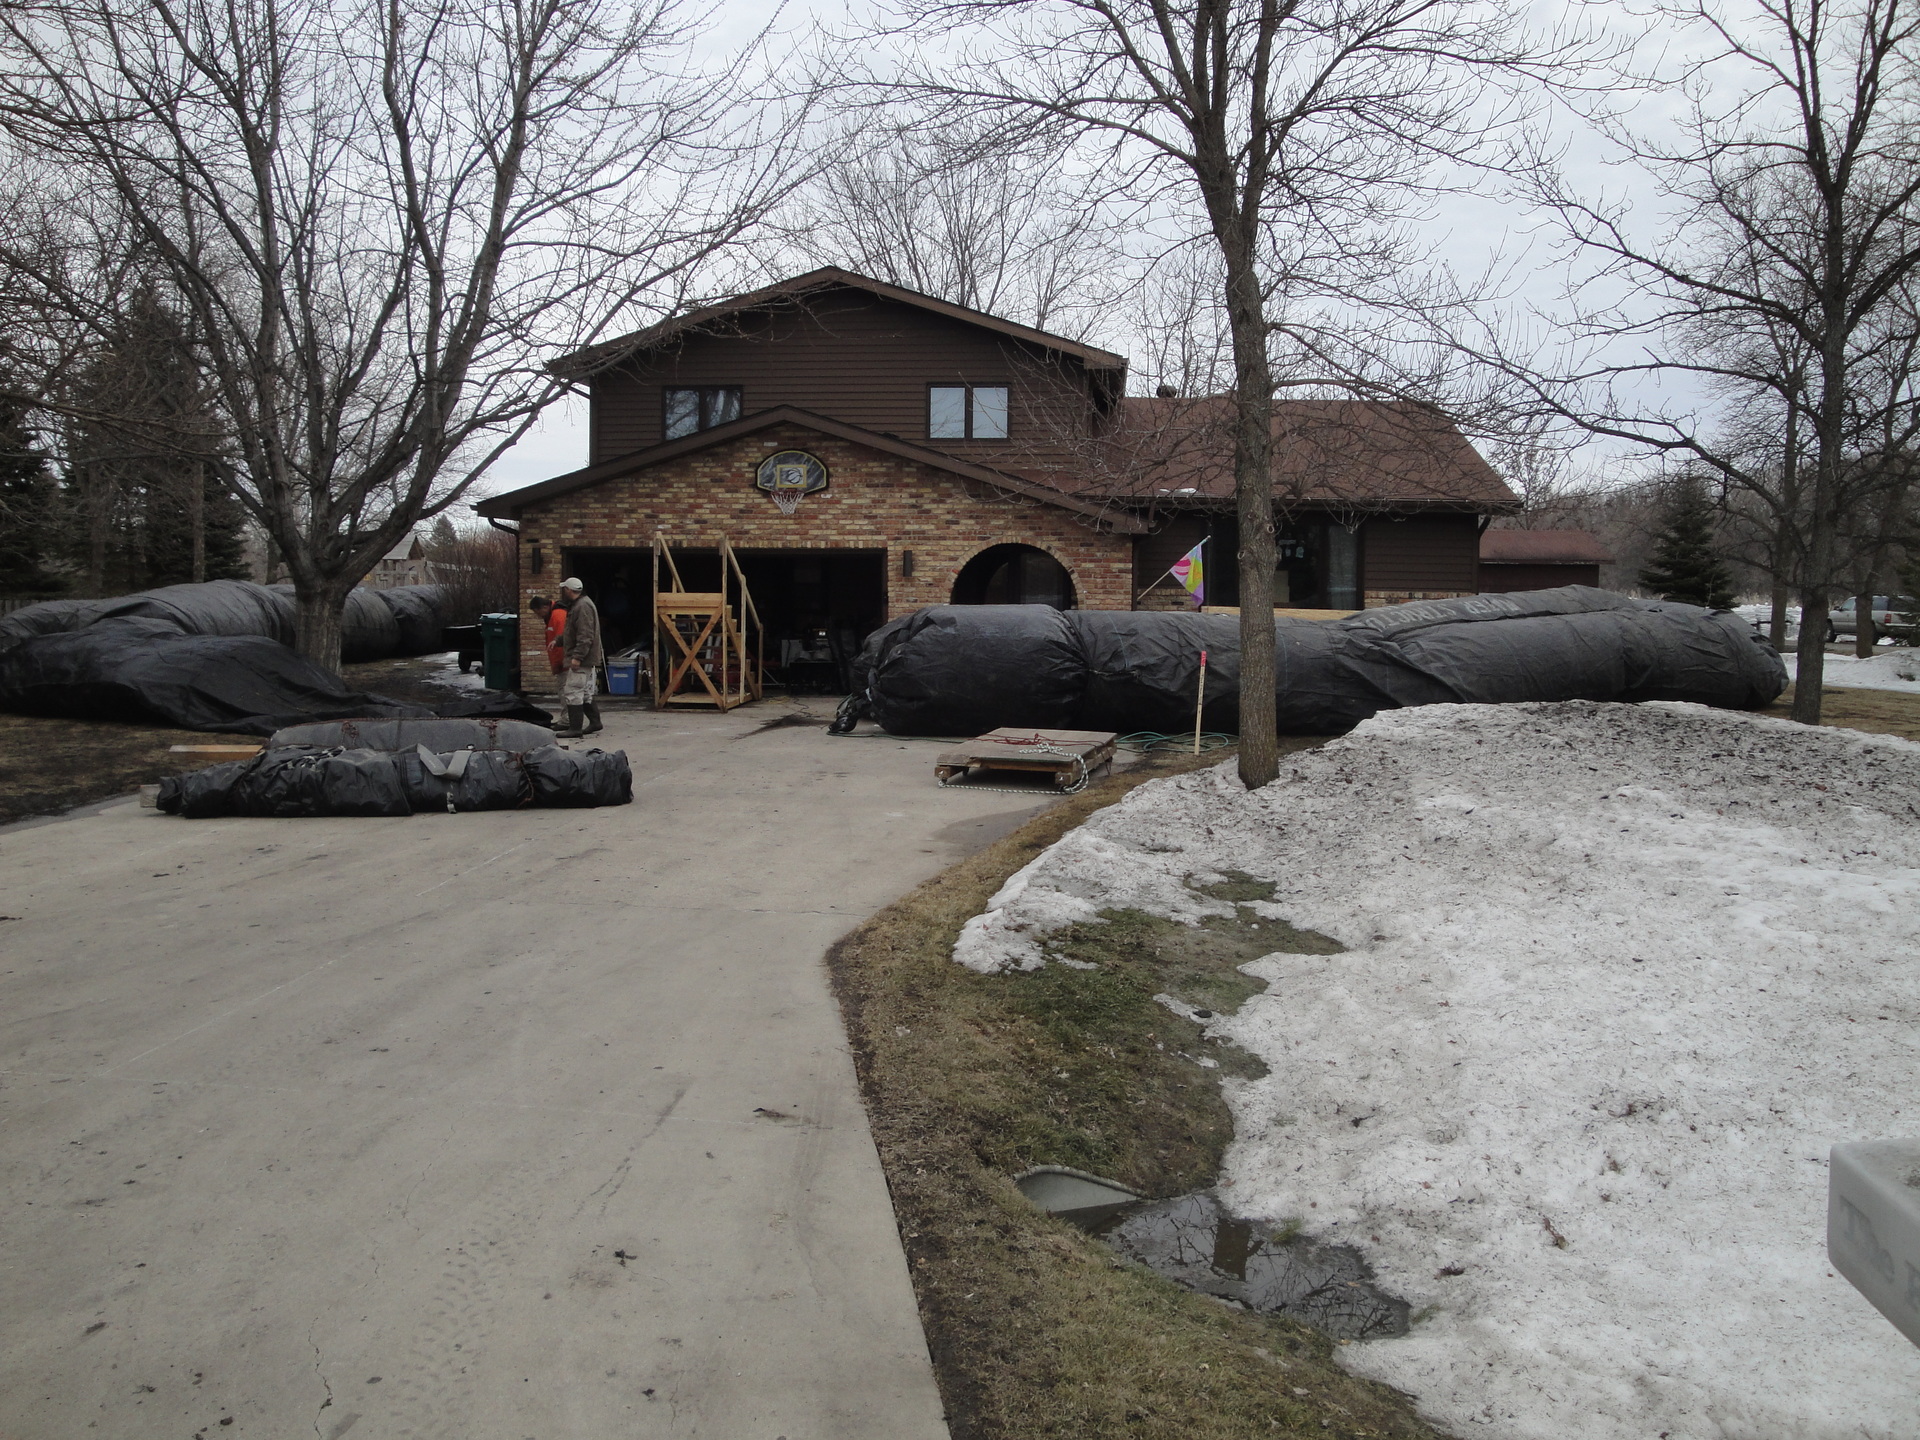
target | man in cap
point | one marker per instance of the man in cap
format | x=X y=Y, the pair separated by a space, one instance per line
x=580 y=648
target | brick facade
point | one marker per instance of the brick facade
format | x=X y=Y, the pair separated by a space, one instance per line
x=873 y=501
x=1377 y=598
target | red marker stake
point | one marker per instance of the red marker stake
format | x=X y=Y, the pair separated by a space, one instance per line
x=1199 y=702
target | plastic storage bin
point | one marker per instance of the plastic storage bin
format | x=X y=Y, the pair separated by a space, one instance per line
x=623 y=677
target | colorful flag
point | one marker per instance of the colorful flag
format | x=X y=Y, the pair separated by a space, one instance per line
x=1191 y=571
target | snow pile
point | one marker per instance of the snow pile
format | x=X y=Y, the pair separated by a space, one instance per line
x=1761 y=616
x=1618 y=977
x=1897 y=668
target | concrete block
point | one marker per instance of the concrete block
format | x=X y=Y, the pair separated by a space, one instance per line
x=1873 y=1225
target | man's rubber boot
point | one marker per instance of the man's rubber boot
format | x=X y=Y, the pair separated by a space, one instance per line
x=572 y=732
x=594 y=727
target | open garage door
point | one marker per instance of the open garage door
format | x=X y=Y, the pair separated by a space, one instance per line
x=817 y=606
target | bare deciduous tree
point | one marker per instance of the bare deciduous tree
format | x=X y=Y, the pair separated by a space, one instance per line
x=1294 y=136
x=1780 y=279
x=964 y=216
x=372 y=213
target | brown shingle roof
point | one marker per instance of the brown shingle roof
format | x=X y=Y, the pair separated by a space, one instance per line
x=507 y=505
x=1365 y=454
x=1542 y=547
x=607 y=352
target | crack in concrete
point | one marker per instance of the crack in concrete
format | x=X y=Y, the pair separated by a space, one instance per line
x=322 y=1374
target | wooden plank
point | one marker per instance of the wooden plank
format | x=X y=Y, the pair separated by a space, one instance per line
x=1073 y=752
x=1065 y=737
x=1282 y=612
x=218 y=752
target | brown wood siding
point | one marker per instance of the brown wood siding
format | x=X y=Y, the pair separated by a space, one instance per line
x=864 y=361
x=1153 y=556
x=1423 y=554
x=1502 y=579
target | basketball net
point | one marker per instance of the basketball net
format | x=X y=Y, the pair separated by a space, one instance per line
x=787 y=500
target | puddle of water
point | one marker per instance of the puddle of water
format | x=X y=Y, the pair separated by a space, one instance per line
x=1075 y=1196
x=1193 y=1241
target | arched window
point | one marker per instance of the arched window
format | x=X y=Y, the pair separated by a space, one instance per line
x=1014 y=575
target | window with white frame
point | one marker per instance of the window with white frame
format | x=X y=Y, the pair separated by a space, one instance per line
x=967 y=412
x=690 y=409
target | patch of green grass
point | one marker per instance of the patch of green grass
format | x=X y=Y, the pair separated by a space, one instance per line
x=1036 y=1329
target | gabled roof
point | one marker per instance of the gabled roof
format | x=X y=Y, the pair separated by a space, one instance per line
x=608 y=352
x=1542 y=547
x=505 y=506
x=1342 y=454
x=407 y=547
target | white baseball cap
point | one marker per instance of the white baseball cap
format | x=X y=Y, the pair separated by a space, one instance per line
x=572 y=582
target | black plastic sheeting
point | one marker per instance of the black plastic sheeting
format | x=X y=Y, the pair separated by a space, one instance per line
x=218 y=656
x=405 y=732
x=299 y=782
x=965 y=669
x=375 y=624
x=147 y=671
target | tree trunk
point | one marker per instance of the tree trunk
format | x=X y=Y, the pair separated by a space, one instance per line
x=1253 y=502
x=197 y=520
x=1865 y=635
x=1777 y=621
x=317 y=623
x=99 y=528
x=1812 y=653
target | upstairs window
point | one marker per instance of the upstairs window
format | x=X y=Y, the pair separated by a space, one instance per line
x=691 y=410
x=967 y=412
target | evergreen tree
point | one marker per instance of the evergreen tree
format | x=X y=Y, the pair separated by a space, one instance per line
x=166 y=529
x=29 y=513
x=145 y=476
x=1686 y=567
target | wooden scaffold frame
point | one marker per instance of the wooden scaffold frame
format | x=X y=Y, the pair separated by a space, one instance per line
x=699 y=638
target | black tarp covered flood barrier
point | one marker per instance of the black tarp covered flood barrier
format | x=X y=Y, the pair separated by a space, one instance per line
x=306 y=781
x=375 y=624
x=966 y=669
x=217 y=656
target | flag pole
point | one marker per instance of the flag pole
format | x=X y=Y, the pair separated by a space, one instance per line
x=1166 y=572
x=1199 y=701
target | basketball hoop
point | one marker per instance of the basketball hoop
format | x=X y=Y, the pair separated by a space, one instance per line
x=789 y=476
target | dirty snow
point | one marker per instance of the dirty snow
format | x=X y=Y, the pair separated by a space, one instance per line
x=1895 y=668
x=1617 y=978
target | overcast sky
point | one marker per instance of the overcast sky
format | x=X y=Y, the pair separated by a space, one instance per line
x=1468 y=230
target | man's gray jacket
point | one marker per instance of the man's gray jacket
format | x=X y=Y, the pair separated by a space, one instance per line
x=581 y=639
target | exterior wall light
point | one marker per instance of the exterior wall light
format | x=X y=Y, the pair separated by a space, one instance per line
x=906 y=564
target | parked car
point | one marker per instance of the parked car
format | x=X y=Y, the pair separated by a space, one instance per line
x=1894 y=615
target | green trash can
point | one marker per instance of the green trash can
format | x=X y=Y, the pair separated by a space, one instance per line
x=500 y=651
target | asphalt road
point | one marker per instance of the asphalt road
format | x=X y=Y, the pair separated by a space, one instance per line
x=516 y=1125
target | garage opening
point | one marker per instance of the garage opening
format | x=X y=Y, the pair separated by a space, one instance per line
x=817 y=606
x=1014 y=575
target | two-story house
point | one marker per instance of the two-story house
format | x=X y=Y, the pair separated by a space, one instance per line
x=867 y=450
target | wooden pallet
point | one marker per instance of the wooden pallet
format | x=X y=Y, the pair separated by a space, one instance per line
x=1068 y=755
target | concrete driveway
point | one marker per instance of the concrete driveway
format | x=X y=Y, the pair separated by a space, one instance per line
x=507 y=1125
